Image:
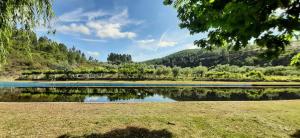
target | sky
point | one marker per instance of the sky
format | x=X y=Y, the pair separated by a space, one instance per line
x=146 y=29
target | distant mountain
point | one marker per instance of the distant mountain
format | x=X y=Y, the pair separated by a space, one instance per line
x=245 y=57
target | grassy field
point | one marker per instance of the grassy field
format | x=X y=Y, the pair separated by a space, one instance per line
x=182 y=119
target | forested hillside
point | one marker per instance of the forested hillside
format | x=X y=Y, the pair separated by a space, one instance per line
x=28 y=52
x=33 y=53
x=246 y=57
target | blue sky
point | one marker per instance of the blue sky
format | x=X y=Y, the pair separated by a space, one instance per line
x=146 y=29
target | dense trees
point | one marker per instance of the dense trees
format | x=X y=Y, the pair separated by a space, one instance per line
x=51 y=60
x=34 y=53
x=24 y=14
x=176 y=72
x=199 y=71
x=137 y=71
x=270 y=23
x=244 y=57
x=115 y=58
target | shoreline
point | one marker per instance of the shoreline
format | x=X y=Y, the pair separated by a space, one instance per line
x=160 y=82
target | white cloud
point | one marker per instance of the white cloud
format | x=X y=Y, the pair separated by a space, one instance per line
x=74 y=28
x=92 y=40
x=149 y=44
x=167 y=40
x=109 y=30
x=93 y=54
x=167 y=43
x=123 y=18
x=80 y=15
x=190 y=46
x=113 y=26
x=152 y=44
x=97 y=23
x=146 y=41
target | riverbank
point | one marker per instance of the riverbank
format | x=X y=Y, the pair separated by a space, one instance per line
x=166 y=82
x=182 y=119
x=208 y=84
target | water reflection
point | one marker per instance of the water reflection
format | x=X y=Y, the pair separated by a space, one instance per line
x=103 y=99
x=145 y=94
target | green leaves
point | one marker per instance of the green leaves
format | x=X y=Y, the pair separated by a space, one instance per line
x=167 y=2
x=26 y=14
x=236 y=23
x=296 y=60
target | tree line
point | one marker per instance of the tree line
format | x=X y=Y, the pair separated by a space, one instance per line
x=137 y=71
x=115 y=58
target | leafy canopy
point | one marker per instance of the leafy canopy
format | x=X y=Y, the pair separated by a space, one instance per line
x=115 y=58
x=271 y=24
x=22 y=14
x=296 y=60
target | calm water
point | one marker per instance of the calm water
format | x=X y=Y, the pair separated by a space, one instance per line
x=153 y=94
x=91 y=84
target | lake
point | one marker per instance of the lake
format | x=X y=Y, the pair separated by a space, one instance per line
x=134 y=92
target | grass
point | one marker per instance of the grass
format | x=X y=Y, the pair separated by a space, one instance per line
x=182 y=119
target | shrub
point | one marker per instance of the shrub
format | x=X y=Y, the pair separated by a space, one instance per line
x=199 y=71
x=257 y=75
x=277 y=70
x=228 y=68
x=176 y=71
x=223 y=76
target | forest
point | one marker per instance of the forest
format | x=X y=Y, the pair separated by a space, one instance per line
x=28 y=52
x=249 y=56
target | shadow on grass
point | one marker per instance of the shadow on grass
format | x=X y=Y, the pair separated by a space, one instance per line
x=296 y=134
x=129 y=132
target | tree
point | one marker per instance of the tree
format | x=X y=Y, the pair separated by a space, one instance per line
x=119 y=58
x=24 y=14
x=187 y=72
x=199 y=71
x=176 y=72
x=296 y=60
x=163 y=71
x=234 y=23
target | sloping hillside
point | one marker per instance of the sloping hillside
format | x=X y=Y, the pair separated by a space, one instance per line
x=32 y=53
x=248 y=57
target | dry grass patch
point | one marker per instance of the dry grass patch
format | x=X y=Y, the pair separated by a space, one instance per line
x=182 y=119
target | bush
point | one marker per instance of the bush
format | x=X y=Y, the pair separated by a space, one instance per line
x=223 y=76
x=228 y=68
x=176 y=71
x=199 y=71
x=277 y=70
x=257 y=75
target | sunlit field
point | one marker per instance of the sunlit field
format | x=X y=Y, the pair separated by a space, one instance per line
x=183 y=119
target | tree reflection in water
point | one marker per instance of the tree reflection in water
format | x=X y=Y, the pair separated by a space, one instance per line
x=124 y=94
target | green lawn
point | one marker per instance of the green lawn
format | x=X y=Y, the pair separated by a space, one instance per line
x=182 y=119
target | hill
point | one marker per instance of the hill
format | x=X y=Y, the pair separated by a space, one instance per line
x=33 y=53
x=245 y=57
